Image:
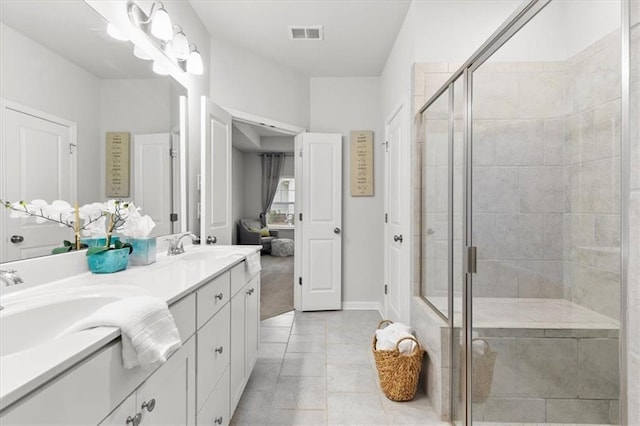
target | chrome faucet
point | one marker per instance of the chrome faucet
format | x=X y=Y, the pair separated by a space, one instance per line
x=10 y=277
x=176 y=246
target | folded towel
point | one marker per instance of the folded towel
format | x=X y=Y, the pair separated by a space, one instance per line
x=149 y=333
x=252 y=264
x=387 y=338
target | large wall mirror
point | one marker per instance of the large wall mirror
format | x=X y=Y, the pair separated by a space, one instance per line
x=65 y=85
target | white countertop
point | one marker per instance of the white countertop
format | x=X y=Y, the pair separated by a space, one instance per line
x=170 y=278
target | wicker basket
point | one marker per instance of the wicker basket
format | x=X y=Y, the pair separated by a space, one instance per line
x=398 y=372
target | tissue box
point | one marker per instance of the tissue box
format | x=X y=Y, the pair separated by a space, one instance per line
x=144 y=250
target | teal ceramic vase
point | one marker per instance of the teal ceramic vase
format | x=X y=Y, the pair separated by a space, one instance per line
x=97 y=242
x=109 y=261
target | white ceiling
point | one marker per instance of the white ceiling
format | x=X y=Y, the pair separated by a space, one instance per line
x=358 y=34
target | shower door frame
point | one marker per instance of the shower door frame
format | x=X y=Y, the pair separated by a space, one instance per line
x=504 y=33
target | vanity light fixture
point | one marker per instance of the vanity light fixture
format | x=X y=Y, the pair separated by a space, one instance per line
x=194 y=63
x=159 y=69
x=171 y=39
x=161 y=26
x=157 y=23
x=180 y=44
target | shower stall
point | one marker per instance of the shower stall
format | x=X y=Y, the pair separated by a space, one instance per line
x=522 y=214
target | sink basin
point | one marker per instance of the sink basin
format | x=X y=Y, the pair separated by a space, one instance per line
x=30 y=322
x=209 y=254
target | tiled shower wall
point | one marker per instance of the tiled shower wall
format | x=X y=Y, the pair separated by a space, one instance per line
x=546 y=176
x=592 y=174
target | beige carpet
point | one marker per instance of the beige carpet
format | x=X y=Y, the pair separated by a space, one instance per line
x=276 y=286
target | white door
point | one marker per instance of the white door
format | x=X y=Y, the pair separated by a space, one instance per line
x=396 y=266
x=38 y=162
x=215 y=189
x=320 y=249
x=152 y=182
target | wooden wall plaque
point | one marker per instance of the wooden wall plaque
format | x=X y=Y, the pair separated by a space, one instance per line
x=117 y=159
x=362 y=163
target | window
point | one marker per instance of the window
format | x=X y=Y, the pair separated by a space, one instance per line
x=283 y=206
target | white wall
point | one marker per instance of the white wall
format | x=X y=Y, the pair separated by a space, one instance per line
x=136 y=106
x=36 y=77
x=451 y=30
x=340 y=105
x=237 y=190
x=245 y=82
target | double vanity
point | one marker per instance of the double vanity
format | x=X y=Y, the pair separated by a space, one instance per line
x=55 y=378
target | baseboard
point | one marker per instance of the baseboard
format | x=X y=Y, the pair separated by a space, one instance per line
x=363 y=306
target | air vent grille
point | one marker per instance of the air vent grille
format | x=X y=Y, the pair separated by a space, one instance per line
x=314 y=32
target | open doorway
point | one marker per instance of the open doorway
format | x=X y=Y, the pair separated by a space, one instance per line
x=253 y=139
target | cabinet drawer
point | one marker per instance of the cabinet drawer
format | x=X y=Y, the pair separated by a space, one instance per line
x=215 y=411
x=183 y=312
x=238 y=277
x=213 y=352
x=212 y=297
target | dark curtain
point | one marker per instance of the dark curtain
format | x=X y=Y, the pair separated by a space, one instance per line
x=272 y=165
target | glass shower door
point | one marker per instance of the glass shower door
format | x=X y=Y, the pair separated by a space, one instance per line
x=545 y=219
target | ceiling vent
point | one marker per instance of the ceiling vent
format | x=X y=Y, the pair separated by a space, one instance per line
x=313 y=32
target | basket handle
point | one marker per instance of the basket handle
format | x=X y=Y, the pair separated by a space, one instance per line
x=383 y=322
x=407 y=338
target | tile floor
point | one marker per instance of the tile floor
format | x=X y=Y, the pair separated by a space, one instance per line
x=316 y=368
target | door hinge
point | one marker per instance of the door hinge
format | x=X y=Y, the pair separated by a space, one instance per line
x=173 y=217
x=299 y=280
x=386 y=289
x=386 y=146
x=386 y=217
x=300 y=217
x=72 y=147
x=199 y=181
x=199 y=209
x=471 y=260
x=300 y=153
x=173 y=152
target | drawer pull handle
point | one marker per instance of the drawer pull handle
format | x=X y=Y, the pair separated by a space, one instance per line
x=219 y=296
x=135 y=420
x=250 y=291
x=149 y=405
x=218 y=421
x=219 y=350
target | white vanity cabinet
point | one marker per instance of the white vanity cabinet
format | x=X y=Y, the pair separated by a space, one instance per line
x=167 y=397
x=245 y=319
x=200 y=384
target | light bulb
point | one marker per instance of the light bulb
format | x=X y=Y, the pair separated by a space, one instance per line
x=161 y=24
x=194 y=63
x=180 y=46
x=160 y=69
x=141 y=54
x=115 y=32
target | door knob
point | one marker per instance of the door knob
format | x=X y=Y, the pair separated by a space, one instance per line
x=17 y=239
x=397 y=238
x=336 y=230
x=135 y=420
x=211 y=240
x=149 y=405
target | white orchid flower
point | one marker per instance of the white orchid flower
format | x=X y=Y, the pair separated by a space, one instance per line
x=62 y=211
x=20 y=210
x=95 y=228
x=90 y=212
